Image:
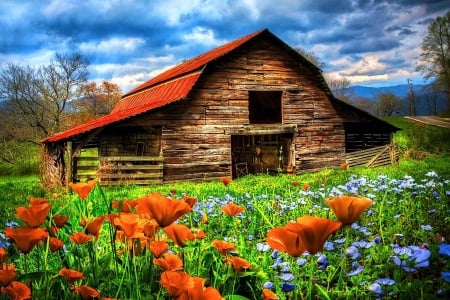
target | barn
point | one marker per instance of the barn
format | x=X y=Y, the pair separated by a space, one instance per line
x=253 y=105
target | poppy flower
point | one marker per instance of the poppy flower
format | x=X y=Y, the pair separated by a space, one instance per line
x=71 y=275
x=26 y=237
x=269 y=295
x=164 y=210
x=80 y=238
x=150 y=228
x=157 y=248
x=83 y=189
x=115 y=204
x=190 y=200
x=347 y=208
x=37 y=201
x=199 y=292
x=127 y=222
x=225 y=180
x=294 y=183
x=231 y=209
x=282 y=239
x=223 y=247
x=34 y=215
x=17 y=290
x=55 y=244
x=179 y=234
x=199 y=234
x=238 y=263
x=344 y=165
x=7 y=276
x=129 y=206
x=93 y=226
x=306 y=187
x=3 y=256
x=176 y=283
x=169 y=262
x=313 y=231
x=86 y=292
x=59 y=220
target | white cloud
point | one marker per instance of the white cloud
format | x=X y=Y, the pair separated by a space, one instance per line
x=112 y=45
x=204 y=36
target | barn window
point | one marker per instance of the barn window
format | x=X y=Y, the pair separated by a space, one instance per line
x=264 y=107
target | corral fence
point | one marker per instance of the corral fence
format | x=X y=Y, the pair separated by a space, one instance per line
x=374 y=157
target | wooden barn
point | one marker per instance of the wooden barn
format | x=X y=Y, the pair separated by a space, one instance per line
x=254 y=105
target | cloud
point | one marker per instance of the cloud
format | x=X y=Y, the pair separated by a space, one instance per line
x=112 y=45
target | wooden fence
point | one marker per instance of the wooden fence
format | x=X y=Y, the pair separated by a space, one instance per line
x=114 y=170
x=373 y=157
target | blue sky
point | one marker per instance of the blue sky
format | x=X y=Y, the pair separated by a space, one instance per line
x=369 y=42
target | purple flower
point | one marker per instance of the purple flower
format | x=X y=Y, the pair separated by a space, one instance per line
x=286 y=277
x=385 y=281
x=444 y=249
x=301 y=262
x=416 y=257
x=352 y=252
x=287 y=286
x=322 y=261
x=356 y=270
x=376 y=288
x=446 y=276
x=268 y=285
x=377 y=240
x=363 y=244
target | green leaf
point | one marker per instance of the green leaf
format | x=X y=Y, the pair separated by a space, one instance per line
x=236 y=297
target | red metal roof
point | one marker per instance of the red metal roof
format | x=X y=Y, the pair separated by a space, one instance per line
x=171 y=85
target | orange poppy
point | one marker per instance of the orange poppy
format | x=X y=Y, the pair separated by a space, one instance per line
x=3 y=256
x=169 y=262
x=199 y=292
x=93 y=225
x=80 y=238
x=37 y=201
x=150 y=228
x=223 y=247
x=176 y=283
x=226 y=180
x=34 y=215
x=199 y=234
x=158 y=248
x=306 y=187
x=190 y=200
x=239 y=264
x=128 y=223
x=115 y=204
x=129 y=206
x=17 y=290
x=231 y=209
x=313 y=231
x=164 y=210
x=86 y=292
x=269 y=295
x=347 y=208
x=71 y=275
x=282 y=239
x=59 y=220
x=344 y=165
x=83 y=189
x=7 y=275
x=179 y=234
x=294 y=183
x=26 y=237
x=55 y=244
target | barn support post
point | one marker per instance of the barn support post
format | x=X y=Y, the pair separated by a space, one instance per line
x=52 y=165
x=69 y=164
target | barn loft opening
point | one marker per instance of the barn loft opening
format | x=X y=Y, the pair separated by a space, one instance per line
x=264 y=107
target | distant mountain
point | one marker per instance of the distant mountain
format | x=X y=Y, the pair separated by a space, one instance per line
x=371 y=92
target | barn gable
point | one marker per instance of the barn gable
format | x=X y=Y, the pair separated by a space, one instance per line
x=253 y=105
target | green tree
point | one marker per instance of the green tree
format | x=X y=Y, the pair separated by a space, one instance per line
x=435 y=56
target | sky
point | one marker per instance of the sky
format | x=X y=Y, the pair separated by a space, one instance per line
x=369 y=42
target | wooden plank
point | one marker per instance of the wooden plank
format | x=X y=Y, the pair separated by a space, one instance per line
x=131 y=158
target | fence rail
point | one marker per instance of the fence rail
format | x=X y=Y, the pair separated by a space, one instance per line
x=114 y=170
x=374 y=157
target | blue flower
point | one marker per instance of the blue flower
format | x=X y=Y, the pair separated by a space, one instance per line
x=426 y=227
x=11 y=224
x=352 y=252
x=385 y=281
x=444 y=249
x=262 y=247
x=322 y=261
x=416 y=257
x=328 y=246
x=301 y=262
x=286 y=277
x=376 y=288
x=377 y=240
x=287 y=286
x=363 y=244
x=268 y=285
x=356 y=270
x=446 y=276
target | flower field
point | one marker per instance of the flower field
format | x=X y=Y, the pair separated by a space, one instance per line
x=261 y=237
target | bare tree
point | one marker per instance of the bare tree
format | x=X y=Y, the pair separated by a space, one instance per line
x=39 y=96
x=311 y=57
x=340 y=88
x=435 y=56
x=388 y=104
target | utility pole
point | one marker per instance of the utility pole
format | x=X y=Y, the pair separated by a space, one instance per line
x=411 y=98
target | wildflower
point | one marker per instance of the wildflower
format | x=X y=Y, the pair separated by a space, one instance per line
x=158 y=248
x=80 y=238
x=71 y=275
x=223 y=247
x=190 y=200
x=199 y=292
x=306 y=187
x=314 y=231
x=179 y=234
x=287 y=286
x=348 y=209
x=204 y=218
x=164 y=210
x=127 y=222
x=55 y=244
x=7 y=275
x=444 y=249
x=225 y=180
x=385 y=281
x=356 y=269
x=262 y=247
x=416 y=257
x=231 y=209
x=176 y=283
x=3 y=256
x=322 y=261
x=17 y=290
x=376 y=288
x=59 y=220
x=301 y=262
x=282 y=239
x=129 y=206
x=83 y=189
x=344 y=165
x=426 y=227
x=286 y=277
x=239 y=264
x=269 y=295
x=445 y=276
x=352 y=252
x=34 y=215
x=150 y=228
x=294 y=183
x=169 y=262
x=93 y=226
x=268 y=285
x=86 y=292
x=25 y=237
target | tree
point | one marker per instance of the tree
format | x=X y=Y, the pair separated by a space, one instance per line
x=364 y=104
x=435 y=56
x=311 y=57
x=340 y=88
x=38 y=97
x=387 y=104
